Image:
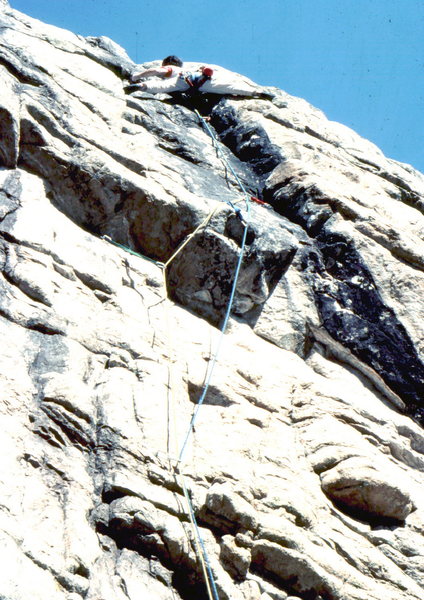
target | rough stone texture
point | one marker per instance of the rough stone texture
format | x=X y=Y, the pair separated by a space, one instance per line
x=306 y=466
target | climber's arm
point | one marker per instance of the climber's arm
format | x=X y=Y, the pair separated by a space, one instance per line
x=156 y=72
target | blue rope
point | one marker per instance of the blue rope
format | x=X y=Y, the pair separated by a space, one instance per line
x=223 y=329
x=201 y=399
x=230 y=302
x=202 y=543
x=222 y=333
x=211 y=367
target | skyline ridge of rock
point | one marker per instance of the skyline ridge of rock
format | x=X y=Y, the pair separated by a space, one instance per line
x=306 y=464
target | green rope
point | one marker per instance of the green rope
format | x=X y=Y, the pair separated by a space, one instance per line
x=155 y=262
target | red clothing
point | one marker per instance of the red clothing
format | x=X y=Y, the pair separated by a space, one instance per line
x=169 y=71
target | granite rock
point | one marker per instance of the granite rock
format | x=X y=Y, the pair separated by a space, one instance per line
x=302 y=477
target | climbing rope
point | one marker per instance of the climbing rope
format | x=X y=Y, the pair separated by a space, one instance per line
x=200 y=546
x=164 y=267
x=199 y=542
x=225 y=160
x=212 y=364
x=111 y=241
x=208 y=574
x=189 y=237
x=201 y=550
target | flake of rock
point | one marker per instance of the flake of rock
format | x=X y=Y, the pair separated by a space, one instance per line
x=368 y=489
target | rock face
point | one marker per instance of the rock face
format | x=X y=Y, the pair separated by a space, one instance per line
x=305 y=468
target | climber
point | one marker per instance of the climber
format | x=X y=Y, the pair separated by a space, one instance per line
x=171 y=67
x=171 y=77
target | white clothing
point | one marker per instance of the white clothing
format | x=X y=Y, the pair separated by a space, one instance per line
x=220 y=83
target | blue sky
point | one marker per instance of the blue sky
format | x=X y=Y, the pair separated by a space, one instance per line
x=360 y=61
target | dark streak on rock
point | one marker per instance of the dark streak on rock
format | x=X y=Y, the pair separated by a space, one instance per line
x=354 y=313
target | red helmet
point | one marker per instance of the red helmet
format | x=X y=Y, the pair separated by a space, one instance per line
x=207 y=71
